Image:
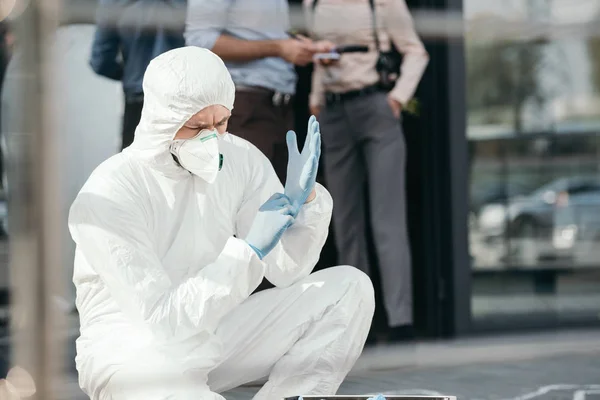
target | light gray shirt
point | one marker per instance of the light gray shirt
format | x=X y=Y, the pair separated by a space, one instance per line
x=248 y=20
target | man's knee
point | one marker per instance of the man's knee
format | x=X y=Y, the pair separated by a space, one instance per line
x=353 y=282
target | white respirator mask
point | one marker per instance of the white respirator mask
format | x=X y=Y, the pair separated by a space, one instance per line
x=199 y=154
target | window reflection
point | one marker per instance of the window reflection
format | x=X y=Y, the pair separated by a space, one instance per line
x=521 y=85
x=533 y=112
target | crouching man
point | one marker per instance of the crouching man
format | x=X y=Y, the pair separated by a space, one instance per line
x=173 y=235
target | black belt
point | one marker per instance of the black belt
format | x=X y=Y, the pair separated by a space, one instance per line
x=331 y=98
x=278 y=98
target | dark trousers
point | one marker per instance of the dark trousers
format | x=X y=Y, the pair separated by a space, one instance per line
x=131 y=119
x=264 y=124
x=363 y=144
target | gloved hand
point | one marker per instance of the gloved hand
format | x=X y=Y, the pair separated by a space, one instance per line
x=302 y=167
x=272 y=219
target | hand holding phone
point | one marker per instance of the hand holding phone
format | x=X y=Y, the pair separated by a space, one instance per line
x=332 y=56
x=335 y=54
x=326 y=59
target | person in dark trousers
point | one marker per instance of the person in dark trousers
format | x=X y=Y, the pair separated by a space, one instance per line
x=252 y=37
x=363 y=139
x=129 y=34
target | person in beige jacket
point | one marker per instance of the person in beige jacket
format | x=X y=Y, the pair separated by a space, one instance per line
x=363 y=139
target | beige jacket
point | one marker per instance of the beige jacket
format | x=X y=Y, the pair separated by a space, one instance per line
x=349 y=22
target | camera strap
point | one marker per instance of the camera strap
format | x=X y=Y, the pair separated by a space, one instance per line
x=374 y=25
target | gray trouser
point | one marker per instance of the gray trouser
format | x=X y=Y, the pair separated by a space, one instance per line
x=363 y=142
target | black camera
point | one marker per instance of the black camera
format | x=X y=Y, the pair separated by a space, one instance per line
x=388 y=67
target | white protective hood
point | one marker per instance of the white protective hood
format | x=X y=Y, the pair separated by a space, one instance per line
x=174 y=90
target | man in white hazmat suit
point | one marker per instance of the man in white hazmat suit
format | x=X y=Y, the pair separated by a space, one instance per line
x=175 y=233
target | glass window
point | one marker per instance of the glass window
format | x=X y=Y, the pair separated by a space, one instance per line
x=533 y=104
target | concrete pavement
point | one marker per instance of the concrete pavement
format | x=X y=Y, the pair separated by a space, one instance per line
x=549 y=366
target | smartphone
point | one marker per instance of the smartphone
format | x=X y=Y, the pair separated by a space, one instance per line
x=327 y=56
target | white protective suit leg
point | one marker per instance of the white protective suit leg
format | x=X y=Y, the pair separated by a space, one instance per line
x=305 y=337
x=135 y=381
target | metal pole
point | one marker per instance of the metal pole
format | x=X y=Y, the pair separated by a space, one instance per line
x=34 y=205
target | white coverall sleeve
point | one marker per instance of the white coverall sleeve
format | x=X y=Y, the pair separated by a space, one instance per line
x=113 y=238
x=297 y=253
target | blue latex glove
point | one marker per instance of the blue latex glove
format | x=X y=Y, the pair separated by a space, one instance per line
x=272 y=219
x=378 y=397
x=302 y=167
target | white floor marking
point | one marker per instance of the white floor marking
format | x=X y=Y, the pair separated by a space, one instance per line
x=580 y=394
x=546 y=389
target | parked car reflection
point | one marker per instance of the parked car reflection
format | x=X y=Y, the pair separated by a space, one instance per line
x=556 y=223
